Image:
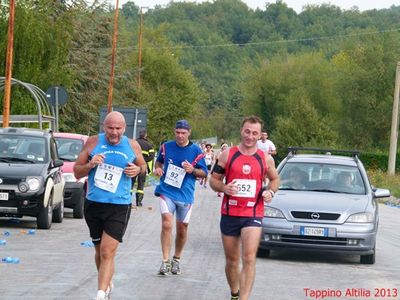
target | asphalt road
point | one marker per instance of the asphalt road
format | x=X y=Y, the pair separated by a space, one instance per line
x=54 y=264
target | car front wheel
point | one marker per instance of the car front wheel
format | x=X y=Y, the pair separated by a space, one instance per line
x=78 y=208
x=263 y=252
x=367 y=259
x=58 y=213
x=45 y=217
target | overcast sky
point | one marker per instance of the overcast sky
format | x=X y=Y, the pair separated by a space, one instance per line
x=295 y=4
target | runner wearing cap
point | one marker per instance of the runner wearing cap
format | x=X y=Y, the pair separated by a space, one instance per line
x=179 y=162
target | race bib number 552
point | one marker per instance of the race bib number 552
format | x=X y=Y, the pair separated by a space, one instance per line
x=246 y=188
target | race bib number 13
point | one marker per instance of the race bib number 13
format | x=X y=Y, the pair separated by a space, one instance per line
x=107 y=177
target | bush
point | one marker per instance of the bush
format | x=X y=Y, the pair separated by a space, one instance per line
x=381 y=179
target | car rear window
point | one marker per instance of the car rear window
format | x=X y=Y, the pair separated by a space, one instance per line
x=68 y=149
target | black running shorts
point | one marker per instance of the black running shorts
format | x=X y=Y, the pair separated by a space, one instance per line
x=110 y=218
x=232 y=226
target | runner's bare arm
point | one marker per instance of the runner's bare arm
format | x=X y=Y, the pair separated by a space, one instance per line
x=158 y=168
x=139 y=166
x=189 y=168
x=273 y=176
x=218 y=175
x=83 y=165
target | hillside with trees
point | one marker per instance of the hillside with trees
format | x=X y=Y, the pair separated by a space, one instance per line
x=322 y=77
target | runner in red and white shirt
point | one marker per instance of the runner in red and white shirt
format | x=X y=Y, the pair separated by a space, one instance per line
x=244 y=168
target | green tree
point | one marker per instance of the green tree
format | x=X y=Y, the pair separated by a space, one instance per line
x=41 y=47
x=366 y=75
x=272 y=84
x=303 y=126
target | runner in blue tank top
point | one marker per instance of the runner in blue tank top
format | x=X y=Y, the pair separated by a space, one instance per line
x=110 y=160
x=179 y=162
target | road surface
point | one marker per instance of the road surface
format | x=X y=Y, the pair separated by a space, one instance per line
x=54 y=264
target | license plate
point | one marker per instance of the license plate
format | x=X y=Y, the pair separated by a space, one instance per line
x=313 y=231
x=3 y=196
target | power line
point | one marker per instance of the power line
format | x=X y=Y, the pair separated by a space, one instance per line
x=311 y=39
x=332 y=37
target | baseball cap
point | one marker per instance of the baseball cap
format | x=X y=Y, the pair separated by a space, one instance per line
x=182 y=124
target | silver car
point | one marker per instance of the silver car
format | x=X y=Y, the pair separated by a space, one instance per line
x=325 y=202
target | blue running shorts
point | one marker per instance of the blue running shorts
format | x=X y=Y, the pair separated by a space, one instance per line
x=232 y=226
x=183 y=210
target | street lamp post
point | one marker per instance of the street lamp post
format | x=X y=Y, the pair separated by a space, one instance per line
x=9 y=61
x=113 y=54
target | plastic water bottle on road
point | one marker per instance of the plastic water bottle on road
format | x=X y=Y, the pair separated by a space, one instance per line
x=87 y=244
x=10 y=260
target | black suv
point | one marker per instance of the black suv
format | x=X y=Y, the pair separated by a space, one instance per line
x=31 y=183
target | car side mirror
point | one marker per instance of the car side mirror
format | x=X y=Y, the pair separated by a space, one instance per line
x=381 y=193
x=58 y=163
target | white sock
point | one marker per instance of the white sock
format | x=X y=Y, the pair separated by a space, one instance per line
x=100 y=294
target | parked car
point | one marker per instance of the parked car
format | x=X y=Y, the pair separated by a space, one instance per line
x=31 y=183
x=316 y=208
x=69 y=145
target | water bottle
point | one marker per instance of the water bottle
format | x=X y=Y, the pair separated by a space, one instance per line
x=87 y=244
x=10 y=260
x=31 y=231
x=3 y=242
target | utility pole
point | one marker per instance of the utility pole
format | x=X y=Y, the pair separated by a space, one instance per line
x=9 y=62
x=395 y=124
x=139 y=77
x=114 y=49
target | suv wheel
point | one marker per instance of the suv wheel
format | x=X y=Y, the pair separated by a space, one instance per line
x=58 y=213
x=263 y=252
x=78 y=208
x=45 y=216
x=368 y=259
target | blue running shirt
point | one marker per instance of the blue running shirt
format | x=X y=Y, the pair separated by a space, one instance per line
x=116 y=158
x=171 y=153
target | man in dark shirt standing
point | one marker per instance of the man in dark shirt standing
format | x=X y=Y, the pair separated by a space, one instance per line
x=148 y=155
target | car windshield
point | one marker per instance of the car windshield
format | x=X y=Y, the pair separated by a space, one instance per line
x=23 y=149
x=322 y=178
x=68 y=149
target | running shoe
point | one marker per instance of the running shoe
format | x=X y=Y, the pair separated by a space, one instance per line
x=165 y=268
x=235 y=296
x=109 y=290
x=100 y=297
x=175 y=268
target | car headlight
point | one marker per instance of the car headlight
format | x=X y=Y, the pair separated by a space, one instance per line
x=361 y=218
x=34 y=183
x=271 y=212
x=69 y=177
